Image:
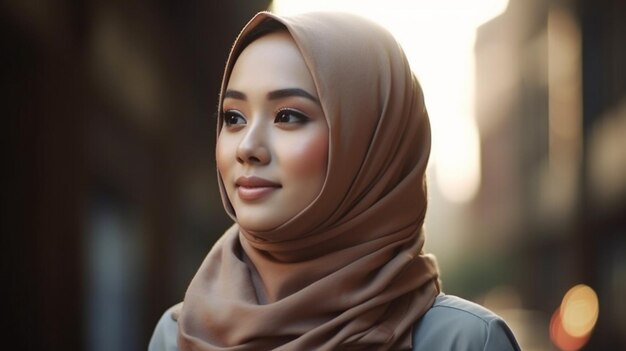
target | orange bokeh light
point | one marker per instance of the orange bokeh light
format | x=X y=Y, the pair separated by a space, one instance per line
x=561 y=338
x=572 y=323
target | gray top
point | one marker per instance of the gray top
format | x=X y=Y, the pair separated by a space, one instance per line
x=456 y=324
x=451 y=324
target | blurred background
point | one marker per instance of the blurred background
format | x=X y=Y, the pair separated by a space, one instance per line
x=110 y=200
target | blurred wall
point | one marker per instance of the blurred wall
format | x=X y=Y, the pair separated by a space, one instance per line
x=551 y=108
x=110 y=200
x=109 y=195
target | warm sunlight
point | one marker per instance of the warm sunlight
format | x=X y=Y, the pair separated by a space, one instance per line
x=438 y=38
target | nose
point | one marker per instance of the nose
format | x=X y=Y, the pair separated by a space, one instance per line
x=253 y=147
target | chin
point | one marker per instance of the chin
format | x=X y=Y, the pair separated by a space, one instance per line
x=263 y=216
x=256 y=223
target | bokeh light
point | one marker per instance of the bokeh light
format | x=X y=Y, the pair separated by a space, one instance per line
x=572 y=323
x=579 y=310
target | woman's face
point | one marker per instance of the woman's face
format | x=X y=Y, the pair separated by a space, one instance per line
x=272 y=150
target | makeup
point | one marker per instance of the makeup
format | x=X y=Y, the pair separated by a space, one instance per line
x=255 y=188
x=272 y=150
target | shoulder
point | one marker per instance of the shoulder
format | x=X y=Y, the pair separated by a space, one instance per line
x=453 y=323
x=165 y=333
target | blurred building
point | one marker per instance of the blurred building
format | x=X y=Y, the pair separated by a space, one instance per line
x=551 y=109
x=110 y=200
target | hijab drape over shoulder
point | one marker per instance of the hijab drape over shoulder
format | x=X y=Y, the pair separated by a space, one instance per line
x=349 y=271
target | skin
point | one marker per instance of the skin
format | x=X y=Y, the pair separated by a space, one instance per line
x=272 y=150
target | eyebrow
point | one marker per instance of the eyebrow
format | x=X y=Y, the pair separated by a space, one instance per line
x=284 y=93
x=234 y=94
x=274 y=95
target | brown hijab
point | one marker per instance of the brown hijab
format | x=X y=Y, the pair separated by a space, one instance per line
x=349 y=271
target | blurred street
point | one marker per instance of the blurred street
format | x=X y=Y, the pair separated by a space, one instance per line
x=111 y=199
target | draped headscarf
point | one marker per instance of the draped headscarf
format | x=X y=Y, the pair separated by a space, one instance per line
x=349 y=271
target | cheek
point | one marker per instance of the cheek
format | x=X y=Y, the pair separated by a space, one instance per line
x=224 y=154
x=307 y=157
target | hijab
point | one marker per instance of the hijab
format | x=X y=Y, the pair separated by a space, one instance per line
x=349 y=271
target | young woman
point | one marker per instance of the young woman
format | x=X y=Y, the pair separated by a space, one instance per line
x=323 y=141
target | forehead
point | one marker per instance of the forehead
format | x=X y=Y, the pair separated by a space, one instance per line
x=271 y=61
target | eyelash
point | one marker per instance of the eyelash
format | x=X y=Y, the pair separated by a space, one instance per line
x=234 y=118
x=301 y=118
x=230 y=115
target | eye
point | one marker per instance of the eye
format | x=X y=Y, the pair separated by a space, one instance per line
x=232 y=118
x=290 y=116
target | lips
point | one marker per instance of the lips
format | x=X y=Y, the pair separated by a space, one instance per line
x=254 y=188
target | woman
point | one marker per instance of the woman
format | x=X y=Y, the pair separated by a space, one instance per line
x=323 y=141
